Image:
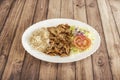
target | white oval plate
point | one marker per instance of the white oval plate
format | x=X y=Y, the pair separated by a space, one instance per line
x=57 y=59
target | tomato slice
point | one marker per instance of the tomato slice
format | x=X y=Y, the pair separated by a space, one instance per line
x=82 y=42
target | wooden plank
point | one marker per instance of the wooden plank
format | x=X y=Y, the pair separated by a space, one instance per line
x=48 y=71
x=7 y=34
x=111 y=36
x=66 y=9
x=5 y=7
x=115 y=6
x=66 y=71
x=30 y=69
x=83 y=67
x=16 y=56
x=79 y=10
x=41 y=10
x=31 y=65
x=101 y=66
x=54 y=9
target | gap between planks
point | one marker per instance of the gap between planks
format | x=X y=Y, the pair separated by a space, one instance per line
x=31 y=63
x=111 y=37
x=5 y=8
x=8 y=33
x=16 y=55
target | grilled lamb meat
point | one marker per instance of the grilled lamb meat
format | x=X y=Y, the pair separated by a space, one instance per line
x=59 y=40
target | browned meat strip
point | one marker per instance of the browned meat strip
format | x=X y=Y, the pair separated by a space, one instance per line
x=59 y=40
x=52 y=30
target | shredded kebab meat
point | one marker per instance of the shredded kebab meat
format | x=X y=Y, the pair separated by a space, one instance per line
x=59 y=40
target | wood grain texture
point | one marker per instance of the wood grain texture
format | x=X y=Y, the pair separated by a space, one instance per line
x=83 y=67
x=30 y=69
x=80 y=10
x=67 y=9
x=54 y=9
x=115 y=6
x=46 y=68
x=18 y=15
x=100 y=60
x=111 y=36
x=8 y=32
x=16 y=55
x=41 y=10
x=66 y=71
x=5 y=7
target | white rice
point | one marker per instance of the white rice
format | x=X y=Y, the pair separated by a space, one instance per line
x=39 y=39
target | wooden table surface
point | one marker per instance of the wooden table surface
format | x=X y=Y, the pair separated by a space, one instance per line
x=17 y=15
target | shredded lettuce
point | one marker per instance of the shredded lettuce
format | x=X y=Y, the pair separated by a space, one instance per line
x=72 y=28
x=75 y=50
